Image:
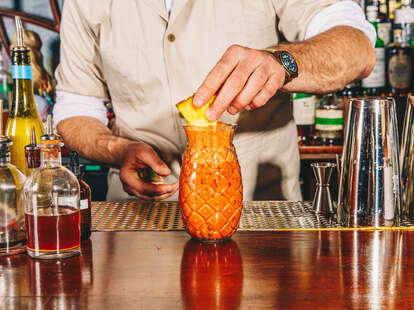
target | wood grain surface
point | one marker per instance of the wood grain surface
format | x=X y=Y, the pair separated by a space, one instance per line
x=167 y=270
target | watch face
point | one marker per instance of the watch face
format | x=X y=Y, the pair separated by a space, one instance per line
x=289 y=62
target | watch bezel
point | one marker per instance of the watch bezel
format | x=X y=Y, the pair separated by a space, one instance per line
x=286 y=63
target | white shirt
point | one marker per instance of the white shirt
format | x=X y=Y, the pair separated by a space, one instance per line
x=345 y=13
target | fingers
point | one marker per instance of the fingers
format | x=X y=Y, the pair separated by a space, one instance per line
x=268 y=91
x=255 y=83
x=234 y=84
x=143 y=155
x=147 y=191
x=244 y=79
x=217 y=75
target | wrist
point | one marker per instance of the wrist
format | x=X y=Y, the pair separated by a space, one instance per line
x=286 y=61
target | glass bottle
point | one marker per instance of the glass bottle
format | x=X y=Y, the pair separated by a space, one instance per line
x=23 y=112
x=50 y=199
x=85 y=196
x=304 y=116
x=329 y=120
x=374 y=84
x=399 y=64
x=32 y=153
x=211 y=190
x=12 y=237
x=5 y=82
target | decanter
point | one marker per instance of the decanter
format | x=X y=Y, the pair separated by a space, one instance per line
x=51 y=201
x=12 y=237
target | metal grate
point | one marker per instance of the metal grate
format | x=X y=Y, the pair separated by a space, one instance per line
x=256 y=216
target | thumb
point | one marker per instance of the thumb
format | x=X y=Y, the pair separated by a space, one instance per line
x=151 y=159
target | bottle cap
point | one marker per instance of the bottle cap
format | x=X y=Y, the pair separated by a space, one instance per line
x=50 y=138
x=33 y=143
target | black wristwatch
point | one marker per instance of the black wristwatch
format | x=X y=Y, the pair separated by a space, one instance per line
x=288 y=63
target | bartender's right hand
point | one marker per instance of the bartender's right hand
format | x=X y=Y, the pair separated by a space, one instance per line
x=140 y=155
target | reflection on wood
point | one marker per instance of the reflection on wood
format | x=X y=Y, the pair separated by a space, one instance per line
x=266 y=270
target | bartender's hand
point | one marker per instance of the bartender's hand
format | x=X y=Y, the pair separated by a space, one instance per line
x=244 y=78
x=137 y=156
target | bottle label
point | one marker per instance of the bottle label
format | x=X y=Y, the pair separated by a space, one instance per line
x=399 y=71
x=377 y=76
x=384 y=32
x=84 y=204
x=304 y=110
x=21 y=72
x=5 y=88
x=329 y=120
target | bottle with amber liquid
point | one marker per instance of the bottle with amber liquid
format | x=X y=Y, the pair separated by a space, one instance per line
x=50 y=199
x=23 y=113
x=32 y=153
x=85 y=196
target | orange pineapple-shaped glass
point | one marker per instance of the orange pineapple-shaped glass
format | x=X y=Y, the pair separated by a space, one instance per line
x=211 y=190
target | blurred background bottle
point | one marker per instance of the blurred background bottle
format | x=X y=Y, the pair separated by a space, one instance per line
x=329 y=120
x=304 y=115
x=374 y=84
x=5 y=81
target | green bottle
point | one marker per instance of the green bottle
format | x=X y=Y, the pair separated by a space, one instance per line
x=374 y=84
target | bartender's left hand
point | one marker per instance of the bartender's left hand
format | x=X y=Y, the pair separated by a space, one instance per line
x=244 y=78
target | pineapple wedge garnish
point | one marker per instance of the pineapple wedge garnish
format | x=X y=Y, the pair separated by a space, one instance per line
x=195 y=116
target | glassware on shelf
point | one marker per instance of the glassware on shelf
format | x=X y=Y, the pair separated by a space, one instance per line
x=211 y=190
x=12 y=237
x=50 y=199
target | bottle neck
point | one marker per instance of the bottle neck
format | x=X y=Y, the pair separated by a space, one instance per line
x=50 y=157
x=23 y=100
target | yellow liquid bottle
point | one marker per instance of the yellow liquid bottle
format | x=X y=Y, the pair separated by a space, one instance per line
x=23 y=113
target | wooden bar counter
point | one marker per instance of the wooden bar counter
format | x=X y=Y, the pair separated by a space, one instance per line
x=256 y=270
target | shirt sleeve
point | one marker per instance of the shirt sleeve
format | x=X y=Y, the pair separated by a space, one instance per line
x=72 y=105
x=294 y=16
x=344 y=13
x=80 y=68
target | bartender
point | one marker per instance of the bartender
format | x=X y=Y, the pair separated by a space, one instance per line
x=147 y=55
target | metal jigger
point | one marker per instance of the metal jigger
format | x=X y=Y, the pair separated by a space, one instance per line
x=322 y=202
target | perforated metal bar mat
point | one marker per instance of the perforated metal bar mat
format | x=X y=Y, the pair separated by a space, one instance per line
x=256 y=216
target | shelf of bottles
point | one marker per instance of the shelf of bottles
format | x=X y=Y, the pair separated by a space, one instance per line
x=320 y=119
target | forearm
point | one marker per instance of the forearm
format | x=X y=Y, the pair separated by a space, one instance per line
x=330 y=60
x=93 y=140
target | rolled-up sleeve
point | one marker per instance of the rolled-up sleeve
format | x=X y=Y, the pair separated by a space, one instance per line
x=80 y=69
x=294 y=16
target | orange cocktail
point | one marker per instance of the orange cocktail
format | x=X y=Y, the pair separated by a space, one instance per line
x=211 y=190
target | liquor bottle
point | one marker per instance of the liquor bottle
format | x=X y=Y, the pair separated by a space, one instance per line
x=32 y=153
x=85 y=196
x=304 y=115
x=50 y=200
x=392 y=6
x=5 y=82
x=23 y=113
x=329 y=120
x=374 y=84
x=12 y=237
x=399 y=64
